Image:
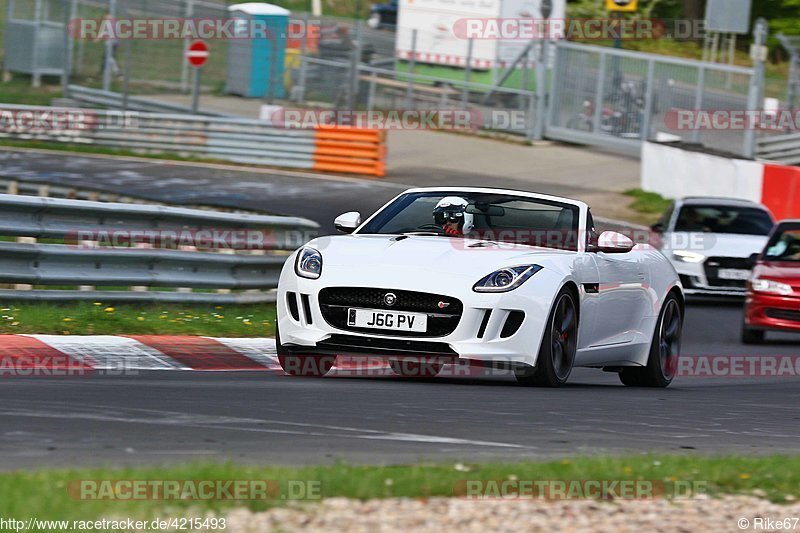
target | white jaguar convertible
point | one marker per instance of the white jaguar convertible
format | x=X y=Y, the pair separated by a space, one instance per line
x=510 y=279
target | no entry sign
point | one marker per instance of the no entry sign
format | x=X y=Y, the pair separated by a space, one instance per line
x=197 y=54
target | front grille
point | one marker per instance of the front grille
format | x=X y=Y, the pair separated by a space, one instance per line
x=714 y=264
x=442 y=320
x=783 y=314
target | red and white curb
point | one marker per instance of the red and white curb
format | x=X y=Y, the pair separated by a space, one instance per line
x=151 y=352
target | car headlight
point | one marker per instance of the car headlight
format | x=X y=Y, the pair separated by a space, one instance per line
x=309 y=263
x=688 y=257
x=768 y=285
x=506 y=279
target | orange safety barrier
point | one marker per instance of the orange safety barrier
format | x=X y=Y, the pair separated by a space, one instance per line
x=351 y=150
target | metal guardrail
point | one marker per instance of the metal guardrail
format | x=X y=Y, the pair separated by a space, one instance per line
x=238 y=140
x=122 y=245
x=110 y=99
x=779 y=148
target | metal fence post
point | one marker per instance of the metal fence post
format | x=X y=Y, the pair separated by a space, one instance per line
x=109 y=44
x=69 y=13
x=189 y=13
x=371 y=94
x=300 y=93
x=36 y=79
x=411 y=67
x=756 y=90
x=598 y=98
x=648 y=100
x=541 y=92
x=81 y=41
x=698 y=100
x=355 y=59
x=551 y=107
x=467 y=74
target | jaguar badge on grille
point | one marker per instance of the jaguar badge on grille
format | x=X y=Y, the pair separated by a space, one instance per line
x=442 y=305
x=390 y=299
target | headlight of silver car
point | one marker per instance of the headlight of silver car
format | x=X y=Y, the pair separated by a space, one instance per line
x=506 y=279
x=309 y=263
x=688 y=257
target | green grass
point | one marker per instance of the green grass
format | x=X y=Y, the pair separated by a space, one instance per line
x=93 y=149
x=44 y=493
x=100 y=318
x=19 y=91
x=648 y=203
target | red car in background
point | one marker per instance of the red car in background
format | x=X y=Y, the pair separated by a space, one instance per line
x=773 y=291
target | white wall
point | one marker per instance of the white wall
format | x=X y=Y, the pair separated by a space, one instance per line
x=674 y=173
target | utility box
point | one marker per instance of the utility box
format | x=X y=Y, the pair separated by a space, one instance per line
x=256 y=55
x=34 y=37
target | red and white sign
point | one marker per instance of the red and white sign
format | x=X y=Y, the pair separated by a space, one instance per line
x=197 y=54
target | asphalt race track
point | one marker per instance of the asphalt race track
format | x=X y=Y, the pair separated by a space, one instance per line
x=166 y=417
x=169 y=417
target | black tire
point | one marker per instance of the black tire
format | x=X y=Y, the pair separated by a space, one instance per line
x=665 y=349
x=414 y=369
x=752 y=336
x=559 y=345
x=302 y=365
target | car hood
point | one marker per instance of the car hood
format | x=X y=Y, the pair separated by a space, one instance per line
x=417 y=255
x=718 y=244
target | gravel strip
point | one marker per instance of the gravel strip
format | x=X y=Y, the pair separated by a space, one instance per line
x=440 y=515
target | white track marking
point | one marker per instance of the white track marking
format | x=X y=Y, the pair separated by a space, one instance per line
x=262 y=351
x=231 y=423
x=109 y=352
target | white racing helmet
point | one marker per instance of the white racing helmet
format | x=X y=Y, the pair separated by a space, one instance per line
x=452 y=209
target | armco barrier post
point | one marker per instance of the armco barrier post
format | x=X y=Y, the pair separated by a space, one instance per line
x=756 y=91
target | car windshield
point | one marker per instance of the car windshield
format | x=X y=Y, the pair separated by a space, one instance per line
x=784 y=244
x=482 y=216
x=724 y=219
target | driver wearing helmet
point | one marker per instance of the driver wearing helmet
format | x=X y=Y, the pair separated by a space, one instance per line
x=451 y=215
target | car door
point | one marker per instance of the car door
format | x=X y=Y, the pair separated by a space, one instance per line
x=621 y=297
x=621 y=294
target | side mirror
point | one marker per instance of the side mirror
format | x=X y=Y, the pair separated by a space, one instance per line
x=348 y=222
x=658 y=227
x=754 y=259
x=612 y=242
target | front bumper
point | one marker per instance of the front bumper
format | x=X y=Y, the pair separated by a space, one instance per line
x=479 y=334
x=695 y=281
x=772 y=312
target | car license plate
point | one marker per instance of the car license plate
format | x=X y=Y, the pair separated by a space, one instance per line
x=368 y=318
x=733 y=273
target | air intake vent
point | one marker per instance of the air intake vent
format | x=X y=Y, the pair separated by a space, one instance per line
x=513 y=322
x=291 y=302
x=307 y=309
x=485 y=322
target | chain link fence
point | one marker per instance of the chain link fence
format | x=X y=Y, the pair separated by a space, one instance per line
x=619 y=98
x=587 y=94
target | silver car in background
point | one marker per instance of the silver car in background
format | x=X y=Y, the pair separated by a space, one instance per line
x=710 y=242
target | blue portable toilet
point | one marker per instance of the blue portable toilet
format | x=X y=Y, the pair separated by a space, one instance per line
x=257 y=54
